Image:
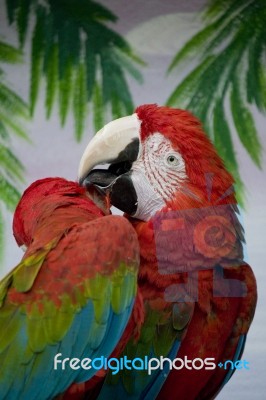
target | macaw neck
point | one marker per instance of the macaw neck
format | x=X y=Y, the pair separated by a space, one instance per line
x=150 y=279
x=175 y=243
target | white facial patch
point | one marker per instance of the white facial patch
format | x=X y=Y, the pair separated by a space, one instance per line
x=157 y=174
x=149 y=201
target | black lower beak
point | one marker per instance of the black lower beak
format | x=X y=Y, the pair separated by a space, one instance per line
x=101 y=178
x=119 y=187
x=123 y=194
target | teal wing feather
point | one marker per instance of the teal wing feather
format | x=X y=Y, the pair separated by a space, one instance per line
x=161 y=335
x=77 y=302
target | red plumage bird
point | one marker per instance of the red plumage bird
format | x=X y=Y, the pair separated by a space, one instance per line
x=71 y=295
x=199 y=294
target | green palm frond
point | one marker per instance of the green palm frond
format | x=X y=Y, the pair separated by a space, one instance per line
x=13 y=112
x=9 y=54
x=230 y=52
x=1 y=236
x=84 y=62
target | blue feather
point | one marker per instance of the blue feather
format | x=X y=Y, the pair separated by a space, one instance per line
x=152 y=391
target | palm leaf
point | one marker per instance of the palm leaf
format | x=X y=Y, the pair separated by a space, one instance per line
x=80 y=100
x=98 y=108
x=224 y=144
x=11 y=6
x=10 y=164
x=11 y=102
x=23 y=19
x=222 y=138
x=214 y=81
x=120 y=86
x=125 y=62
x=14 y=125
x=86 y=11
x=244 y=123
x=9 y=194
x=2 y=236
x=256 y=72
x=3 y=132
x=193 y=46
x=208 y=38
x=51 y=80
x=66 y=40
x=217 y=7
x=9 y=54
x=117 y=110
x=107 y=75
x=13 y=111
x=91 y=68
x=37 y=48
x=65 y=92
x=231 y=60
x=185 y=91
x=69 y=45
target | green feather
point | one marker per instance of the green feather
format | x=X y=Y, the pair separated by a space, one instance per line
x=182 y=313
x=61 y=324
x=123 y=288
x=101 y=311
x=10 y=323
x=36 y=334
x=98 y=286
x=25 y=273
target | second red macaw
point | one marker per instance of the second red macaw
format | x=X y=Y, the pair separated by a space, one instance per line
x=72 y=294
x=199 y=294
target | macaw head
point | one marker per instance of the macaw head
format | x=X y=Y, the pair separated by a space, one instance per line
x=31 y=205
x=159 y=158
x=39 y=201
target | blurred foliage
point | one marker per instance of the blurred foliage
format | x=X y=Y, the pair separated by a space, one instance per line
x=13 y=111
x=229 y=76
x=82 y=60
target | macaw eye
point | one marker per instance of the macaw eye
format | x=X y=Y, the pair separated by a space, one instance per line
x=172 y=160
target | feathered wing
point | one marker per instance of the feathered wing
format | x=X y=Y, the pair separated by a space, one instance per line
x=200 y=300
x=225 y=300
x=233 y=348
x=218 y=331
x=73 y=296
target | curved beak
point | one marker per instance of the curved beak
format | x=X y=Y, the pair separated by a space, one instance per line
x=116 y=143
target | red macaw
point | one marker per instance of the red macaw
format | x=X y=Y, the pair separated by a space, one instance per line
x=70 y=296
x=199 y=294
